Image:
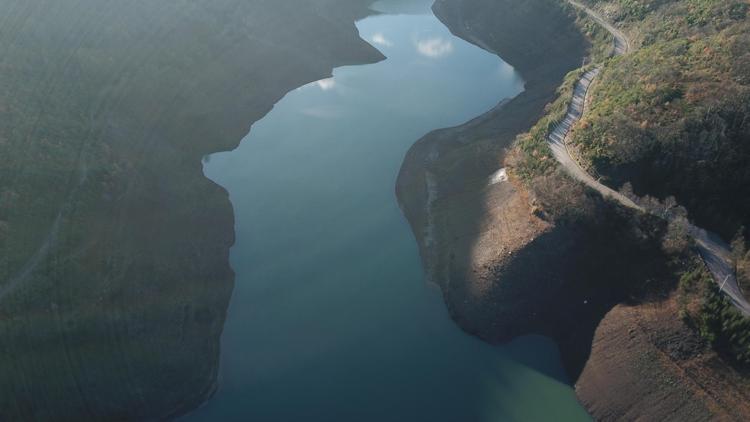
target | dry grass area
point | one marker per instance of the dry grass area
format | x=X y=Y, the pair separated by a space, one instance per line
x=508 y=224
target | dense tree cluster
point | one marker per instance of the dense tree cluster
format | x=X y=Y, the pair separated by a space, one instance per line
x=704 y=307
x=723 y=326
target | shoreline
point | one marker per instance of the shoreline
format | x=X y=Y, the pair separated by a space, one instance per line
x=366 y=54
x=493 y=131
x=137 y=309
x=505 y=269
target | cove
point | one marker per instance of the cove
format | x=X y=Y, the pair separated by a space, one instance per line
x=331 y=318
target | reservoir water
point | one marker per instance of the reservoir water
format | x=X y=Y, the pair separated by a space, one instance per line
x=331 y=318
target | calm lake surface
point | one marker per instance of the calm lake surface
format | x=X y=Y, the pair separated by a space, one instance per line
x=331 y=318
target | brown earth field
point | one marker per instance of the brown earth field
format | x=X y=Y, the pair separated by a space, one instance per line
x=648 y=364
x=596 y=281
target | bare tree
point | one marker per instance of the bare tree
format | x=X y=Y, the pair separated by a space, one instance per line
x=627 y=191
x=677 y=238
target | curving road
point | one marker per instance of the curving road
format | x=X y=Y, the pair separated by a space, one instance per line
x=621 y=41
x=714 y=251
x=557 y=142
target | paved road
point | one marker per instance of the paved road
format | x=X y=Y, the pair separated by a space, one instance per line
x=622 y=43
x=714 y=251
x=559 y=146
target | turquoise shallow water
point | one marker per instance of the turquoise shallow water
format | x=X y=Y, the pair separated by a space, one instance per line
x=331 y=319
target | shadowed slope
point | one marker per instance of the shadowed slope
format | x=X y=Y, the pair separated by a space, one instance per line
x=114 y=274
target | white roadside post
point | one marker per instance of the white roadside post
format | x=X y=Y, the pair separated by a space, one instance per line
x=724 y=282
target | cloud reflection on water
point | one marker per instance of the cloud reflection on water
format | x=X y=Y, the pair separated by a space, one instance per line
x=434 y=47
x=326 y=84
x=380 y=39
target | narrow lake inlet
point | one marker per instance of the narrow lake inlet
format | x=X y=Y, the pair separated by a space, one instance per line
x=331 y=318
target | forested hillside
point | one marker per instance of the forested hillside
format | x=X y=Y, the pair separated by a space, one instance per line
x=673 y=117
x=114 y=272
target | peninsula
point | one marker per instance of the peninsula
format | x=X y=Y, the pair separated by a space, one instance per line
x=645 y=306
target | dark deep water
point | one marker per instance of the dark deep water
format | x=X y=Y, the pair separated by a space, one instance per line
x=331 y=319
